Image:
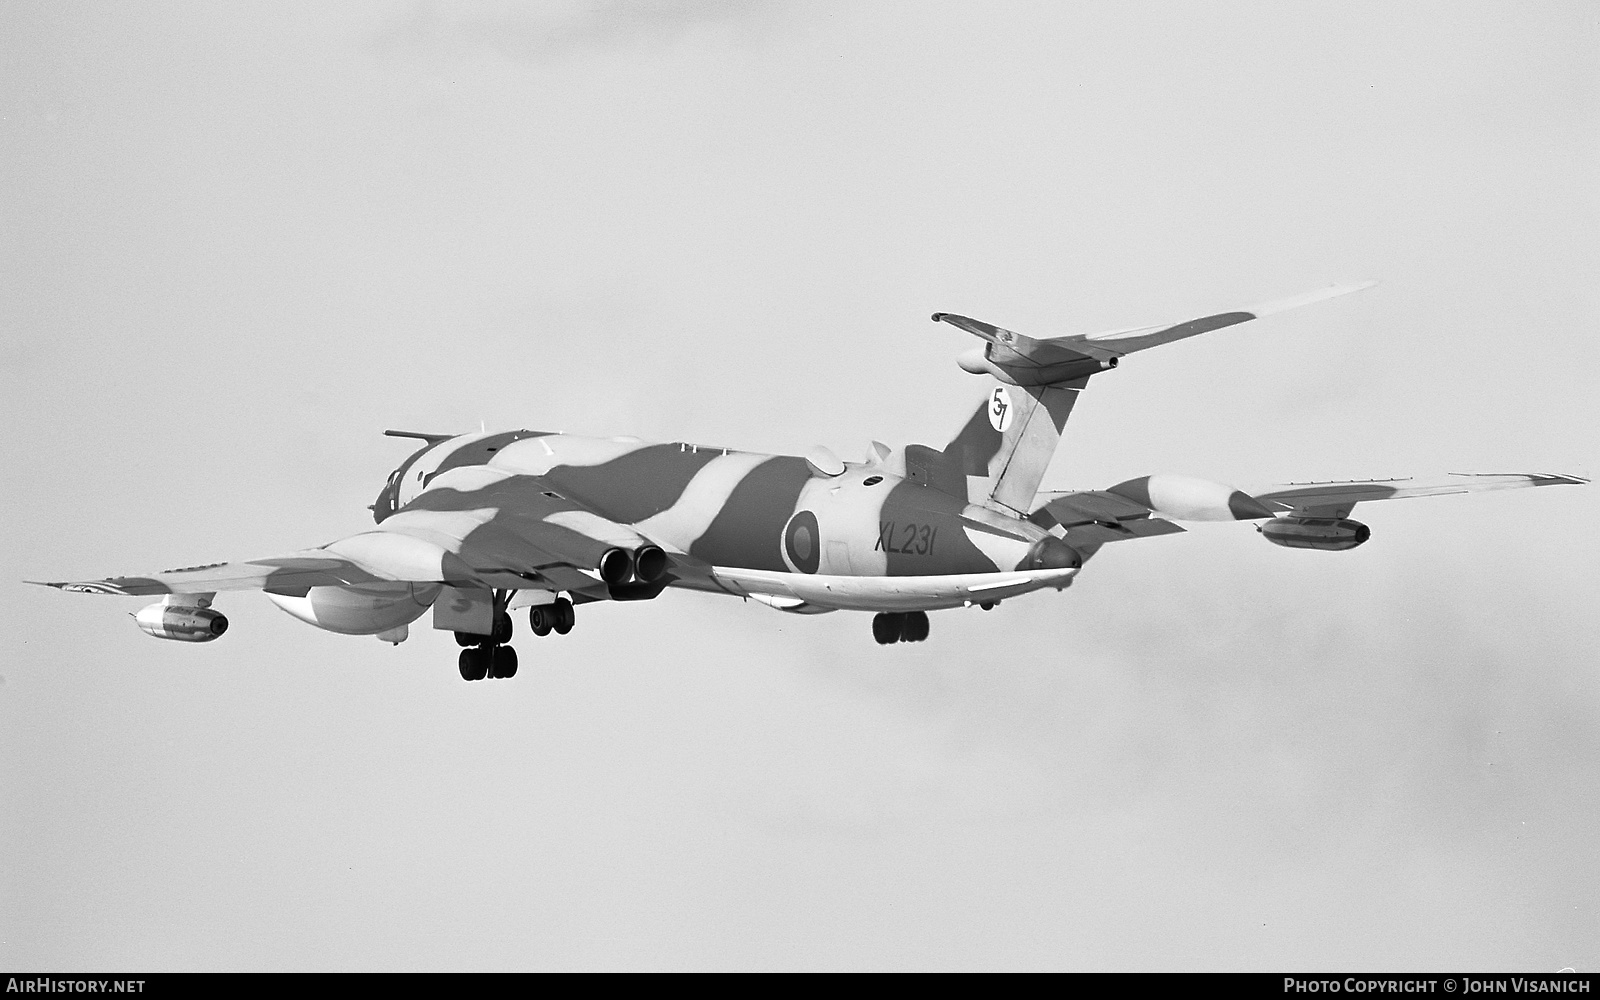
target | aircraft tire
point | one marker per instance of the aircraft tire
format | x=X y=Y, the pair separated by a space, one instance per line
x=465 y=639
x=915 y=627
x=886 y=628
x=541 y=619
x=505 y=662
x=474 y=664
x=565 y=618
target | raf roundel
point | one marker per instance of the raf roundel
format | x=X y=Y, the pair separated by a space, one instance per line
x=802 y=542
x=1000 y=409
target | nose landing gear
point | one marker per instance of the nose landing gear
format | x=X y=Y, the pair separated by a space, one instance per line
x=900 y=626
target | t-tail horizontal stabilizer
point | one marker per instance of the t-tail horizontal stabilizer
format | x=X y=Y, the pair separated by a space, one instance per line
x=1008 y=443
x=1019 y=360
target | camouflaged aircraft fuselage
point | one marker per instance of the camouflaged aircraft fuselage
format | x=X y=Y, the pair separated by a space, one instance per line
x=722 y=508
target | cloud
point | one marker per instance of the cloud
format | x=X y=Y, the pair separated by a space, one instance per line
x=551 y=31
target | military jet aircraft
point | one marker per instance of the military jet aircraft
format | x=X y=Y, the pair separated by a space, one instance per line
x=476 y=526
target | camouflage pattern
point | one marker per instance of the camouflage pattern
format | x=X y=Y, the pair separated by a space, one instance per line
x=472 y=524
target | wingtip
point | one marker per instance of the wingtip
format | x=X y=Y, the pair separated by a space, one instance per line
x=1320 y=295
x=1537 y=478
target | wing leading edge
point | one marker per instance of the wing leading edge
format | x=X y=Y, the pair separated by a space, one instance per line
x=473 y=528
x=1093 y=517
x=1336 y=498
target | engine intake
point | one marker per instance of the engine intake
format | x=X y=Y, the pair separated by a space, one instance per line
x=174 y=621
x=1330 y=534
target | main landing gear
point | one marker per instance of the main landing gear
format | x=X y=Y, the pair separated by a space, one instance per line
x=488 y=655
x=556 y=616
x=900 y=626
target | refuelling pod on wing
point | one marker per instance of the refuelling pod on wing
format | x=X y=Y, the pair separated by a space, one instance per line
x=1331 y=534
x=184 y=617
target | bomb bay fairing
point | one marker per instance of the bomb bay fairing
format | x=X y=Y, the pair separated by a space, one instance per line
x=476 y=526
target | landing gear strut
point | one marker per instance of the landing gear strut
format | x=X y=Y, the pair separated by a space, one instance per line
x=488 y=655
x=900 y=626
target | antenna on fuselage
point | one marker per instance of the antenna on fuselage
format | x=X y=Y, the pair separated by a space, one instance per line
x=419 y=435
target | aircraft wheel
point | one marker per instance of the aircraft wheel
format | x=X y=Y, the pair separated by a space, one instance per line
x=886 y=628
x=541 y=618
x=504 y=661
x=470 y=639
x=915 y=628
x=474 y=664
x=564 y=615
x=502 y=629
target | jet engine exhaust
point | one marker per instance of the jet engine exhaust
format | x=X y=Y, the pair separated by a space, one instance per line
x=649 y=563
x=615 y=566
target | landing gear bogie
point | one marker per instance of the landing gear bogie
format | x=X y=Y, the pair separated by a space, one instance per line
x=488 y=655
x=557 y=617
x=478 y=662
x=899 y=626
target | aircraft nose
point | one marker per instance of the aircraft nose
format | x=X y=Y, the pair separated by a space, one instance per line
x=388 y=499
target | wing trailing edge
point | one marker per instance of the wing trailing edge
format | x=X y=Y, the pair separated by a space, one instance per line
x=1336 y=498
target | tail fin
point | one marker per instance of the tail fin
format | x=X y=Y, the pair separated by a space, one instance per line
x=1009 y=441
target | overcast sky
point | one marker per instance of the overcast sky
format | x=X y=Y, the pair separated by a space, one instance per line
x=236 y=243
